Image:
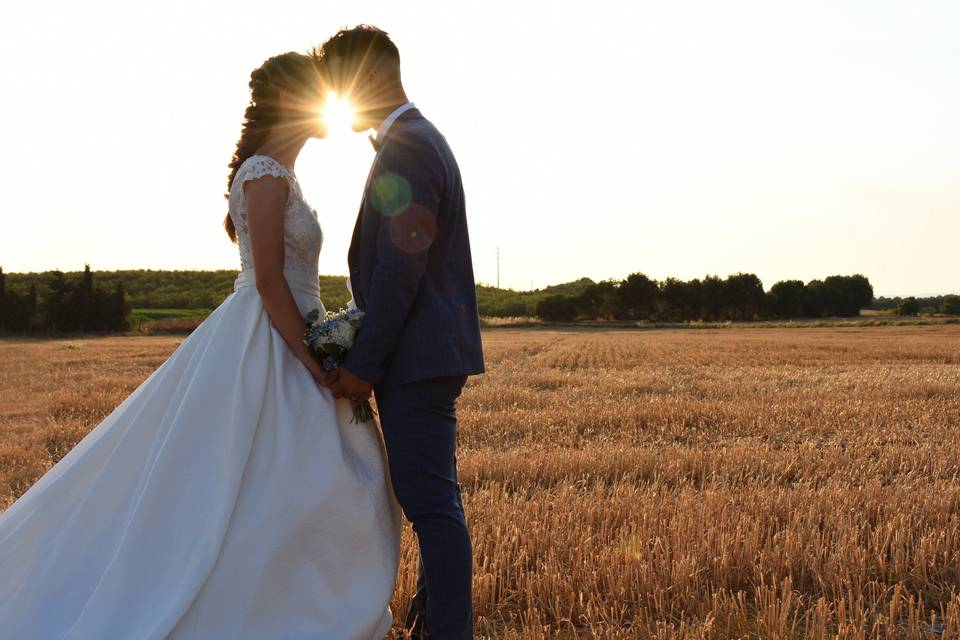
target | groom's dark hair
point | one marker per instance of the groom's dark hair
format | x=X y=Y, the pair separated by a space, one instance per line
x=362 y=46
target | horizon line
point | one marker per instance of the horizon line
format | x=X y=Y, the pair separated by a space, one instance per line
x=477 y=283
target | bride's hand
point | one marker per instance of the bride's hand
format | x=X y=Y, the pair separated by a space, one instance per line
x=318 y=374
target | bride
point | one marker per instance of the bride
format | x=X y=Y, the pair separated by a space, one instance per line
x=229 y=496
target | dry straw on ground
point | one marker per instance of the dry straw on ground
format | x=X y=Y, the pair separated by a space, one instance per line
x=657 y=484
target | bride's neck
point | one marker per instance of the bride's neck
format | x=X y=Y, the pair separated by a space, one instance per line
x=283 y=151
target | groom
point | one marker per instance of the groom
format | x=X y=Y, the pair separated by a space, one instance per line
x=412 y=274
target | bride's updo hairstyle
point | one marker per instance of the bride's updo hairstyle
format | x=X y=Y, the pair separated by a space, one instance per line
x=292 y=72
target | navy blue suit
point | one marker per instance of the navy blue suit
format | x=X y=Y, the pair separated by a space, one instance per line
x=412 y=273
x=410 y=264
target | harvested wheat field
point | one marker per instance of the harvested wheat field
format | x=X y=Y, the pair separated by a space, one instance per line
x=734 y=483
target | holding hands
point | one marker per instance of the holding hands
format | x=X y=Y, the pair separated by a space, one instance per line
x=344 y=384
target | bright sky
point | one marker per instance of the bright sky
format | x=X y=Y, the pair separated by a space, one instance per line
x=789 y=139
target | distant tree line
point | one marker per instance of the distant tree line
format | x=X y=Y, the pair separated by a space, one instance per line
x=68 y=302
x=68 y=305
x=147 y=288
x=738 y=297
x=163 y=289
x=914 y=306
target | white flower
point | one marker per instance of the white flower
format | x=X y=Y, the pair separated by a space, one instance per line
x=341 y=333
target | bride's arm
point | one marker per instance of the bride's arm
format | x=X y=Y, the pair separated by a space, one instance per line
x=266 y=199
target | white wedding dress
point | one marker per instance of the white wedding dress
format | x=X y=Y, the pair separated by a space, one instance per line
x=228 y=497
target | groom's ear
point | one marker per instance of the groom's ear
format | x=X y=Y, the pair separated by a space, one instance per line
x=372 y=75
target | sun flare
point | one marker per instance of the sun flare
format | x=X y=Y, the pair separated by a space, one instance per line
x=337 y=114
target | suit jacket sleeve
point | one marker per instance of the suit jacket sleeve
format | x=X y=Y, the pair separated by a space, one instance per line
x=405 y=195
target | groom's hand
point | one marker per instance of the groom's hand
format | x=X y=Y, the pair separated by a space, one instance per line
x=344 y=384
x=332 y=378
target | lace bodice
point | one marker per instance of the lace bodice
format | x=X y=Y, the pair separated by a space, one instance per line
x=302 y=236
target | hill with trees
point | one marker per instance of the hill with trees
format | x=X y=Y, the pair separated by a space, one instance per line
x=507 y=303
x=159 y=289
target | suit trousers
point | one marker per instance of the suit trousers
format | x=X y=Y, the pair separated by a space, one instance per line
x=419 y=422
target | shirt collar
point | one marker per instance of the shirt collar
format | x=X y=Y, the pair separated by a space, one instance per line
x=390 y=119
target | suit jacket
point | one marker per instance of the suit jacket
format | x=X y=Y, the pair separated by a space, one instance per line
x=410 y=264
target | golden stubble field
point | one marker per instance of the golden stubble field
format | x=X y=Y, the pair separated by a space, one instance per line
x=734 y=483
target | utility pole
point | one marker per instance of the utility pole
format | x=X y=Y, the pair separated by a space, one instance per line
x=498 y=267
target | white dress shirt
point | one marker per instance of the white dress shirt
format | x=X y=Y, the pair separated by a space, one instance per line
x=390 y=119
x=382 y=131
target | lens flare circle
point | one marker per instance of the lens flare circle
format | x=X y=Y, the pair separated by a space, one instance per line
x=391 y=194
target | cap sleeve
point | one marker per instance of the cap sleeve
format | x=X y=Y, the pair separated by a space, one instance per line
x=259 y=166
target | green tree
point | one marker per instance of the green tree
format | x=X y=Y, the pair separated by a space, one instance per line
x=679 y=299
x=557 y=309
x=600 y=300
x=950 y=305
x=908 y=307
x=83 y=303
x=813 y=299
x=845 y=295
x=786 y=299
x=711 y=298
x=56 y=315
x=117 y=310
x=743 y=297
x=637 y=296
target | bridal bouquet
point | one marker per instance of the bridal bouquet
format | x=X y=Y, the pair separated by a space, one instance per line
x=330 y=339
